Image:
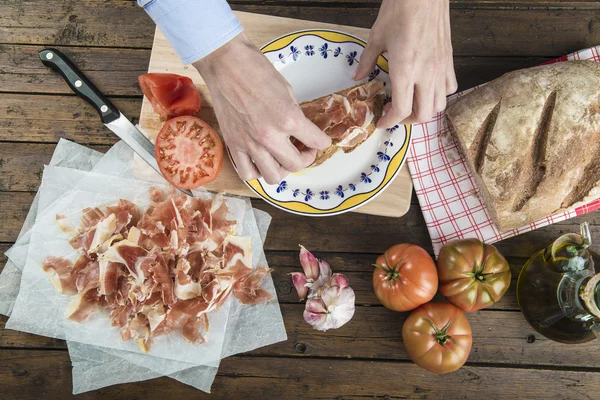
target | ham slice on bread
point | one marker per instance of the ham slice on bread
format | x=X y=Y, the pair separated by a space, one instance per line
x=348 y=116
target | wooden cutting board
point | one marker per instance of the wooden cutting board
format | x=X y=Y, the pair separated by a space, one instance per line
x=260 y=29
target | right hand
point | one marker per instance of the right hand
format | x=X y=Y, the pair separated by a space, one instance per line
x=258 y=113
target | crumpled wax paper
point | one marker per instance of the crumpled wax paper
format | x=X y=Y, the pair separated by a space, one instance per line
x=95 y=367
x=40 y=308
x=69 y=155
x=257 y=331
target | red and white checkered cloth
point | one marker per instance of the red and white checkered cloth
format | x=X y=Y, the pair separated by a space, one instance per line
x=446 y=189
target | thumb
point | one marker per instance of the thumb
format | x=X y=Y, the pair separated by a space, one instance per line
x=368 y=60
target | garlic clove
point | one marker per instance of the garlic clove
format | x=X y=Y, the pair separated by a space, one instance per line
x=315 y=313
x=323 y=282
x=309 y=263
x=300 y=282
x=340 y=281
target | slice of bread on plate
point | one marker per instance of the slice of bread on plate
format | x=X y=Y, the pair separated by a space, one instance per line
x=348 y=116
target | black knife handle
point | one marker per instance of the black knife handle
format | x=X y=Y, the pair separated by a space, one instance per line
x=79 y=83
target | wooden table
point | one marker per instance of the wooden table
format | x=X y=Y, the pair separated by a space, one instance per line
x=111 y=40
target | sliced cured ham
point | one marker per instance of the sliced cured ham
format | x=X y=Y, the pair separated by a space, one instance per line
x=158 y=270
x=83 y=305
x=192 y=330
x=60 y=273
x=249 y=289
x=108 y=274
x=348 y=117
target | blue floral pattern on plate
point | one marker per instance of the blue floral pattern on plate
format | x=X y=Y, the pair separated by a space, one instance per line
x=340 y=190
x=375 y=171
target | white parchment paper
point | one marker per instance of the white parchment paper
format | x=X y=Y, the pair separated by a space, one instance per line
x=95 y=367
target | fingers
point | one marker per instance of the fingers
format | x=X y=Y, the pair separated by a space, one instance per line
x=268 y=166
x=451 y=83
x=368 y=59
x=402 y=101
x=309 y=134
x=424 y=97
x=288 y=155
x=245 y=167
x=439 y=102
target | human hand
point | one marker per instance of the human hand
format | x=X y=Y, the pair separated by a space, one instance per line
x=258 y=113
x=416 y=36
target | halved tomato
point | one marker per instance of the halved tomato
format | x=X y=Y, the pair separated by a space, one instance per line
x=171 y=95
x=189 y=152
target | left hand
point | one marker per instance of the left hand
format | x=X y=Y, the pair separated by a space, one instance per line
x=416 y=36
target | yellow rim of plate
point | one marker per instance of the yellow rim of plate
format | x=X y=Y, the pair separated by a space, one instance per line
x=393 y=166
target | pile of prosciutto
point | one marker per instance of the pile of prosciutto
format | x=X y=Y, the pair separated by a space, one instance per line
x=156 y=270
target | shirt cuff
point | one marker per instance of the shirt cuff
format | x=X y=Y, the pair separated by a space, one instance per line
x=195 y=28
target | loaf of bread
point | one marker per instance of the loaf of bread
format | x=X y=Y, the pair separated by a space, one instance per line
x=348 y=116
x=532 y=140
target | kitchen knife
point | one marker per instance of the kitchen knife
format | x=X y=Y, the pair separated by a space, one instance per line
x=109 y=114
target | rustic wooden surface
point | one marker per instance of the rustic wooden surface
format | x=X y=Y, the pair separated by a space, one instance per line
x=111 y=42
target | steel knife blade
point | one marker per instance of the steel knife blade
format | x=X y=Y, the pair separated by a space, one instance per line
x=109 y=114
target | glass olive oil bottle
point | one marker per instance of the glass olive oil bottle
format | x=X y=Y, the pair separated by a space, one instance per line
x=559 y=289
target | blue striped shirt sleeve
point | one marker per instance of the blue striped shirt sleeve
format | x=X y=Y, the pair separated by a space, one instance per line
x=195 y=28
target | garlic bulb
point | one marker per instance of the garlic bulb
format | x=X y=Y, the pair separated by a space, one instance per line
x=330 y=301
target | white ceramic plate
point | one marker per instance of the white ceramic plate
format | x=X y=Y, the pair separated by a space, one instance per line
x=317 y=63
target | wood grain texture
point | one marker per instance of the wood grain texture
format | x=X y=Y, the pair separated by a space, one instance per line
x=31 y=372
x=375 y=333
x=496 y=28
x=22 y=70
x=46 y=119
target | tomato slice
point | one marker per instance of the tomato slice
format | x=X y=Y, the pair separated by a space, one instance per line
x=171 y=95
x=189 y=152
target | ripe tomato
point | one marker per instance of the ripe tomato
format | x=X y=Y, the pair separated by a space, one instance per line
x=473 y=275
x=188 y=152
x=437 y=337
x=171 y=95
x=405 y=277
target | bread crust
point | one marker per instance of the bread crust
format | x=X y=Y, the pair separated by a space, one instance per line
x=532 y=140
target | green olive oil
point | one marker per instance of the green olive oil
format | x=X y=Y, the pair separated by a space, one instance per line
x=559 y=289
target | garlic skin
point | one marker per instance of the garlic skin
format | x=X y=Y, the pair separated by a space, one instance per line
x=332 y=310
x=330 y=301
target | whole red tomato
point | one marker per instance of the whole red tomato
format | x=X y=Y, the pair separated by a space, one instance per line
x=473 y=275
x=405 y=277
x=437 y=337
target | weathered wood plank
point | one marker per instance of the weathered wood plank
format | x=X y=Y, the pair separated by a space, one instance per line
x=375 y=333
x=22 y=164
x=28 y=373
x=73 y=22
x=22 y=71
x=15 y=207
x=528 y=31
